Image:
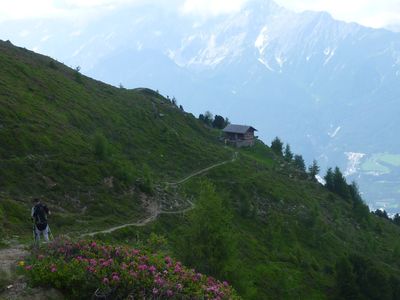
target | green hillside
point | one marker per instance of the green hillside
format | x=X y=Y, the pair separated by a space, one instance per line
x=102 y=156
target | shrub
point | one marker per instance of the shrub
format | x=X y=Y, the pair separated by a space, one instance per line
x=100 y=146
x=86 y=267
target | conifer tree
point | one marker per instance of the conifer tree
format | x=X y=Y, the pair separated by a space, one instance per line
x=219 y=122
x=208 y=241
x=313 y=170
x=329 y=183
x=346 y=280
x=299 y=162
x=381 y=213
x=340 y=184
x=396 y=219
x=277 y=146
x=288 y=153
x=208 y=118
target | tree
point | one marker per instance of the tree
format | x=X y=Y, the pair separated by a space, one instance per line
x=227 y=122
x=329 y=183
x=101 y=147
x=218 y=122
x=288 y=153
x=354 y=192
x=313 y=170
x=340 y=184
x=277 y=146
x=78 y=75
x=381 y=213
x=346 y=280
x=361 y=210
x=181 y=108
x=173 y=101
x=208 y=242
x=299 y=162
x=396 y=219
x=208 y=118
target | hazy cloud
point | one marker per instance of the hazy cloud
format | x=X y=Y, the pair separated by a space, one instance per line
x=374 y=13
x=29 y=9
x=211 y=7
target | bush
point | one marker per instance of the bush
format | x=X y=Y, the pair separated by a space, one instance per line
x=101 y=147
x=84 y=268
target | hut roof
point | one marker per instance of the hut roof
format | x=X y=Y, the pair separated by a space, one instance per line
x=238 y=128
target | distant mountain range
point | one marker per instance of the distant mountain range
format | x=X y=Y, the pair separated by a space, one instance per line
x=331 y=89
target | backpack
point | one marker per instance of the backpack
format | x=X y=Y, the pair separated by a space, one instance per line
x=40 y=215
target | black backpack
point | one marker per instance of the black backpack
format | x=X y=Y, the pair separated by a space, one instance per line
x=40 y=215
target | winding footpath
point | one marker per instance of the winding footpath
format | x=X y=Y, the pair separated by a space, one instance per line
x=18 y=289
x=234 y=157
x=156 y=211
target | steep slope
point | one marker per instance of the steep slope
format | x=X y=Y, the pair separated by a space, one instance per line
x=337 y=81
x=79 y=143
x=103 y=157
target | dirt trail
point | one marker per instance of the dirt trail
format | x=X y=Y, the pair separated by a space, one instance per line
x=234 y=157
x=154 y=214
x=10 y=256
x=18 y=289
x=156 y=211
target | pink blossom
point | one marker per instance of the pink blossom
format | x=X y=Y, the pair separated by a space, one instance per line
x=142 y=267
x=178 y=269
x=159 y=281
x=155 y=291
x=115 y=277
x=93 y=244
x=170 y=293
x=92 y=262
x=28 y=268
x=179 y=286
x=53 y=269
x=152 y=269
x=105 y=280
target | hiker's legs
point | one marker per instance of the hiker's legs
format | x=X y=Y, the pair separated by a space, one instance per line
x=37 y=236
x=46 y=233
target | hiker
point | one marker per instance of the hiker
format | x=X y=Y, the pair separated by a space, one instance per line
x=39 y=215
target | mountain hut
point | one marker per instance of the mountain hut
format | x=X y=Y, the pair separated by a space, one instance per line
x=239 y=135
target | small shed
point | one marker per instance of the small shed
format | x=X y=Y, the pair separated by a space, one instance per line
x=240 y=135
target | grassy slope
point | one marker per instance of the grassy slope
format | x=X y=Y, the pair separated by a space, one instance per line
x=291 y=231
x=49 y=117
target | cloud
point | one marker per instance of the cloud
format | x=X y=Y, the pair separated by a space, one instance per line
x=373 y=13
x=24 y=9
x=211 y=7
x=29 y=9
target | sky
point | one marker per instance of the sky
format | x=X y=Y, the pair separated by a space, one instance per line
x=373 y=13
